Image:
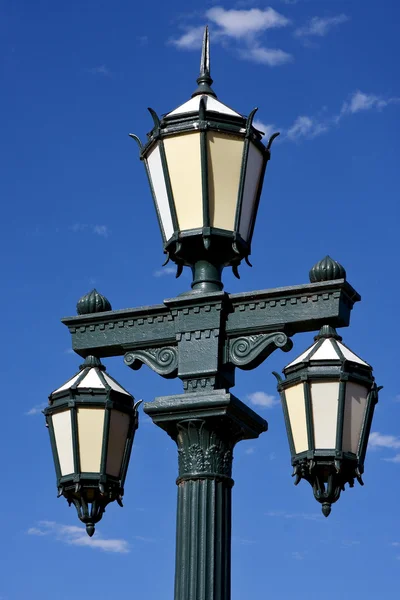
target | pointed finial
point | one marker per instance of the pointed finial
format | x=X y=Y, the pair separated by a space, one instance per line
x=204 y=80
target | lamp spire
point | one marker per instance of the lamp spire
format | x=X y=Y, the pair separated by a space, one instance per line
x=204 y=80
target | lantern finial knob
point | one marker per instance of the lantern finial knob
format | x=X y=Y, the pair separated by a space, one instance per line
x=93 y=302
x=204 y=80
x=326 y=270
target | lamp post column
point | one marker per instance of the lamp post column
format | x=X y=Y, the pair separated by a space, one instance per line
x=206 y=428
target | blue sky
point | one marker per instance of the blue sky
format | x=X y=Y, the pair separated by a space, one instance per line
x=77 y=77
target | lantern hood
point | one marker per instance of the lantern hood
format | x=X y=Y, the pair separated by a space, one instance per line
x=328 y=346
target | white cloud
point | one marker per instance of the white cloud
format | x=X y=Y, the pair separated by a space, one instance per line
x=267 y=130
x=100 y=70
x=298 y=555
x=100 y=230
x=243 y=27
x=360 y=101
x=77 y=536
x=243 y=23
x=250 y=450
x=286 y=515
x=267 y=56
x=262 y=399
x=320 y=26
x=35 y=410
x=378 y=440
x=191 y=39
x=306 y=127
x=394 y=459
x=165 y=271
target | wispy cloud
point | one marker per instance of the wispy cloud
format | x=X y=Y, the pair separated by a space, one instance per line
x=350 y=543
x=250 y=450
x=244 y=23
x=190 y=40
x=309 y=127
x=243 y=541
x=242 y=28
x=100 y=70
x=165 y=271
x=320 y=26
x=262 y=399
x=299 y=555
x=35 y=410
x=287 y=515
x=266 y=56
x=101 y=230
x=306 y=127
x=359 y=101
x=77 y=536
x=267 y=130
x=378 y=440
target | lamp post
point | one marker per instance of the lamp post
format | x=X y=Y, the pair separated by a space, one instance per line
x=206 y=163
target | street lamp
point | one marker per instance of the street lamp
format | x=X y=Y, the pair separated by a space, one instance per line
x=205 y=164
x=92 y=421
x=328 y=399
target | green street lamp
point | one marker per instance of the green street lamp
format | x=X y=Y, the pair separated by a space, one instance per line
x=92 y=421
x=328 y=398
x=205 y=164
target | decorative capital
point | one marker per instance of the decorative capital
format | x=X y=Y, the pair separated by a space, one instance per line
x=163 y=361
x=327 y=269
x=247 y=352
x=202 y=451
x=93 y=302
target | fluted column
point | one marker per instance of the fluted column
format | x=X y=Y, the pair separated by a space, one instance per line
x=206 y=428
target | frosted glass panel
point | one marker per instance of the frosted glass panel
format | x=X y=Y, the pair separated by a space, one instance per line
x=225 y=154
x=63 y=434
x=90 y=436
x=184 y=166
x=354 y=413
x=160 y=191
x=254 y=166
x=297 y=416
x=119 y=426
x=325 y=402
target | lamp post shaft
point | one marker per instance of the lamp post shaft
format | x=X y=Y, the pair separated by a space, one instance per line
x=203 y=538
x=205 y=427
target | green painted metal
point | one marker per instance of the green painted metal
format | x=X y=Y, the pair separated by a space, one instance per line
x=204 y=80
x=205 y=427
x=328 y=470
x=93 y=302
x=91 y=492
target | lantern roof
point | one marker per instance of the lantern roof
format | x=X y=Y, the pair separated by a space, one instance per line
x=328 y=346
x=204 y=90
x=92 y=376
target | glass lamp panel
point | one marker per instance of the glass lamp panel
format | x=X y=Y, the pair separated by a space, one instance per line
x=119 y=429
x=184 y=166
x=354 y=413
x=63 y=435
x=160 y=191
x=295 y=402
x=255 y=162
x=325 y=403
x=90 y=437
x=225 y=155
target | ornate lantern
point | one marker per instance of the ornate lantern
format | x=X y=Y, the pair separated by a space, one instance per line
x=205 y=163
x=328 y=399
x=92 y=420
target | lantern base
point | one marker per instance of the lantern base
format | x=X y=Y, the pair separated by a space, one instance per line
x=207 y=251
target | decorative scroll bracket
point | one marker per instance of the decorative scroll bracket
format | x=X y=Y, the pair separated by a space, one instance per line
x=248 y=352
x=164 y=361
